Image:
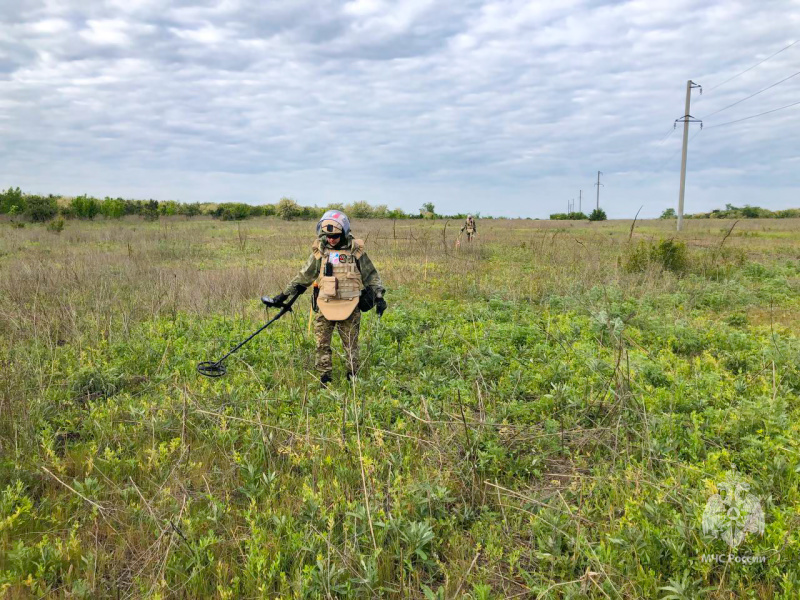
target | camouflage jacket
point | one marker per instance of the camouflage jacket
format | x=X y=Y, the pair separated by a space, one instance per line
x=309 y=273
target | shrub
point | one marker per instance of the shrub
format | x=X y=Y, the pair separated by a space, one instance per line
x=169 y=208
x=112 y=208
x=668 y=214
x=232 y=211
x=288 y=209
x=670 y=255
x=428 y=207
x=598 y=214
x=572 y=216
x=359 y=210
x=56 y=225
x=310 y=212
x=190 y=210
x=150 y=210
x=40 y=209
x=11 y=198
x=85 y=207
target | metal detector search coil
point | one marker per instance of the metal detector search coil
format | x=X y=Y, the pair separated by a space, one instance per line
x=211 y=369
x=216 y=368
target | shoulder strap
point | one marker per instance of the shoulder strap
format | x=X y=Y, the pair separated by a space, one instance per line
x=316 y=250
x=358 y=248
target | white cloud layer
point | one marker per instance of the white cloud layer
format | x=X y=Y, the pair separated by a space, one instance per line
x=500 y=107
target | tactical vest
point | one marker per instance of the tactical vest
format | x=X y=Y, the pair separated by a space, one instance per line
x=339 y=282
x=470 y=226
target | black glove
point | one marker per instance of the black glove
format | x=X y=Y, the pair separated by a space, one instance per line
x=299 y=289
x=280 y=298
x=380 y=306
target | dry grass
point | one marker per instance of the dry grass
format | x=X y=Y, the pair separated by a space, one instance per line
x=121 y=272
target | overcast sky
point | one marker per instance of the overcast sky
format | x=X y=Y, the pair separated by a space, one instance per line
x=497 y=107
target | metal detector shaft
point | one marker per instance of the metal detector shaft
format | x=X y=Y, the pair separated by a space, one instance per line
x=213 y=368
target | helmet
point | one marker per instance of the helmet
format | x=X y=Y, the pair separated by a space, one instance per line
x=333 y=222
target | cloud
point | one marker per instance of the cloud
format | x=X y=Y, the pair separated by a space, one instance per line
x=503 y=107
x=106 y=31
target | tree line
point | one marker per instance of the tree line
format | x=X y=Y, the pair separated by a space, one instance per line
x=38 y=208
x=735 y=212
x=598 y=214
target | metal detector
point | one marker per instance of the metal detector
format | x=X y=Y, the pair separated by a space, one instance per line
x=216 y=368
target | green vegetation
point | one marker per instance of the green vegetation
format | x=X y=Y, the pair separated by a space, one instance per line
x=598 y=214
x=668 y=254
x=669 y=213
x=573 y=216
x=747 y=212
x=39 y=209
x=14 y=202
x=542 y=414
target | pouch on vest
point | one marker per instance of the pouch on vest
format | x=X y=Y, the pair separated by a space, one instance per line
x=349 y=286
x=327 y=287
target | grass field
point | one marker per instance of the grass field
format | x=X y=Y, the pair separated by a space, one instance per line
x=542 y=414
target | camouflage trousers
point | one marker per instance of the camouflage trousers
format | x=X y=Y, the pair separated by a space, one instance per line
x=348 y=332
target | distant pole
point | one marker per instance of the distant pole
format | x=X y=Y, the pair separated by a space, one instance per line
x=598 y=184
x=687 y=118
x=580 y=200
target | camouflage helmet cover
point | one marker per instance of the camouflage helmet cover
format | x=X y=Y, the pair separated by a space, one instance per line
x=332 y=222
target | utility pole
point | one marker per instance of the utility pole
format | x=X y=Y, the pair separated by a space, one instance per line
x=687 y=118
x=580 y=200
x=598 y=184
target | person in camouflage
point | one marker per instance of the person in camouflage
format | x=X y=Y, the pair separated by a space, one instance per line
x=345 y=283
x=469 y=227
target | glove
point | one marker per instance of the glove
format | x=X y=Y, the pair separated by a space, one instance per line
x=299 y=289
x=280 y=298
x=380 y=306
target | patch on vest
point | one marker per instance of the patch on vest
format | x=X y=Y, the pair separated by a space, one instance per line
x=341 y=258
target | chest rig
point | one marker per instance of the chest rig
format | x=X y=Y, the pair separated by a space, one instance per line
x=339 y=282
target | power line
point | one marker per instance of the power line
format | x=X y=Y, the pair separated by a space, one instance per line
x=752 y=95
x=671 y=156
x=754 y=116
x=669 y=133
x=753 y=67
